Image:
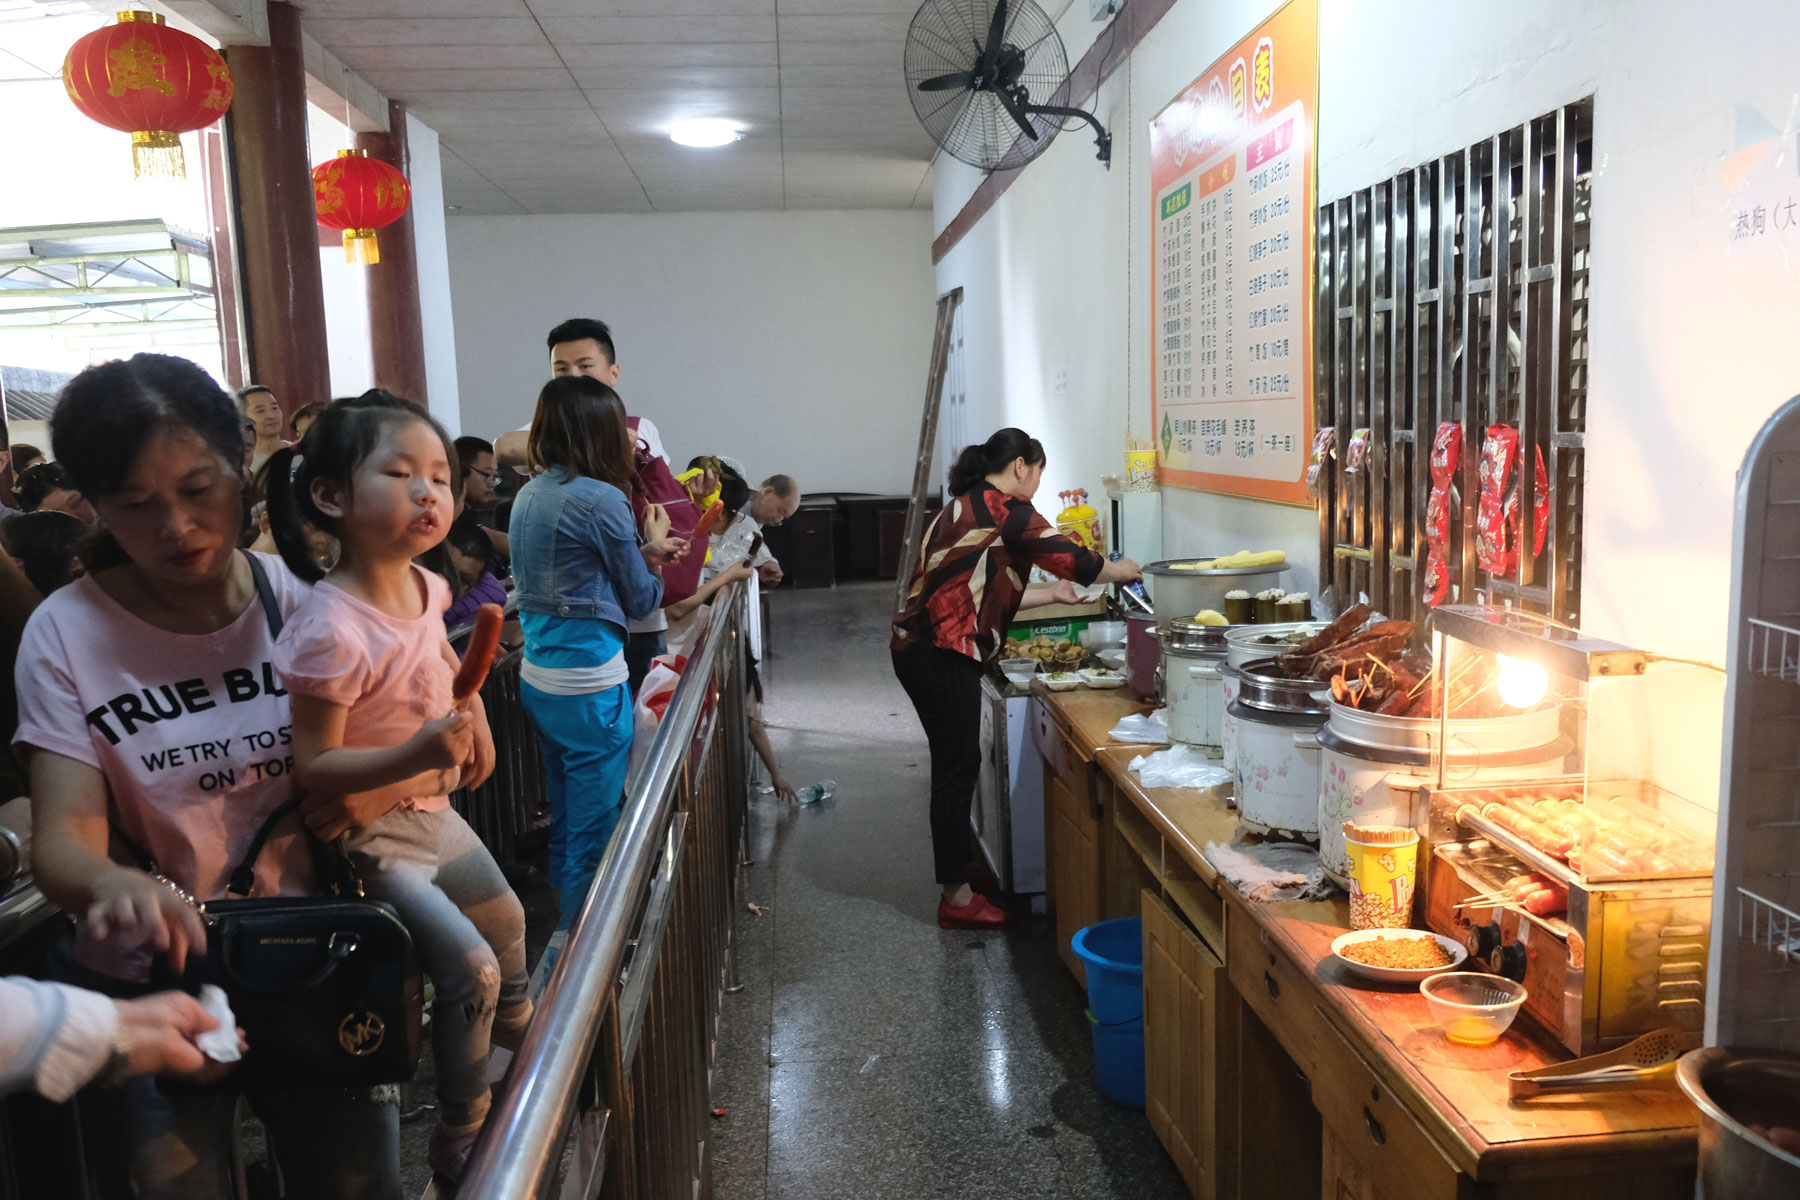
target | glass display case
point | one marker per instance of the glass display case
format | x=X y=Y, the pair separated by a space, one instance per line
x=1561 y=850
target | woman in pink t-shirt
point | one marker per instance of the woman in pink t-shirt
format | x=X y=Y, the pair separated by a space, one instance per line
x=370 y=671
x=148 y=704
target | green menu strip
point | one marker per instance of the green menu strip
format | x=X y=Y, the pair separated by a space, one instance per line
x=1177 y=200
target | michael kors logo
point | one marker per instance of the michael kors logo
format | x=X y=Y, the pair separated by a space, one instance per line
x=361 y=1033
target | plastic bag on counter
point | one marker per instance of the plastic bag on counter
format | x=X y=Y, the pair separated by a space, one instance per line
x=1147 y=729
x=1179 y=767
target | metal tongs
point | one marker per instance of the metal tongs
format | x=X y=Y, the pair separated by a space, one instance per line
x=1647 y=1062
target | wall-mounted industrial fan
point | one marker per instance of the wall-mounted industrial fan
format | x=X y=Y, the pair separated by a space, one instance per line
x=990 y=81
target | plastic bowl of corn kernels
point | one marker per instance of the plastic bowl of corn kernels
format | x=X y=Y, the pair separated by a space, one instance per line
x=1473 y=1008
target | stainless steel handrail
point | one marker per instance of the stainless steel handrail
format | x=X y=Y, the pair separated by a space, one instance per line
x=520 y=1149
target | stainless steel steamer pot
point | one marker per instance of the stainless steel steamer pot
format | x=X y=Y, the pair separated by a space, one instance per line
x=1192 y=657
x=1180 y=594
x=1277 y=761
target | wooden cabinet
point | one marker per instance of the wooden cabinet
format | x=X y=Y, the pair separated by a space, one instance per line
x=1279 y=1132
x=1074 y=845
x=1190 y=1052
x=1074 y=839
x=1272 y=986
x=1374 y=1146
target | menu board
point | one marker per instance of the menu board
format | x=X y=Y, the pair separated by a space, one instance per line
x=1231 y=258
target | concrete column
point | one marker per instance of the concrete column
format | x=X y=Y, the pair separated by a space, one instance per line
x=284 y=296
x=396 y=329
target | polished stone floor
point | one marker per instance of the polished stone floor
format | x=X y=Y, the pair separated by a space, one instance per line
x=872 y=1054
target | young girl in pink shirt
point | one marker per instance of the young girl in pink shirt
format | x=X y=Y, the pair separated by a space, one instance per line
x=370 y=673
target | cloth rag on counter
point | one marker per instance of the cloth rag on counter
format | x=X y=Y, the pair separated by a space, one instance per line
x=1149 y=729
x=1179 y=767
x=1264 y=872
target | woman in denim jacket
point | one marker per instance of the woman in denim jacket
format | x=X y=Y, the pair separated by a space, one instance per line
x=581 y=572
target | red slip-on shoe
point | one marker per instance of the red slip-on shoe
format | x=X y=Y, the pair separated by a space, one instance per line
x=976 y=914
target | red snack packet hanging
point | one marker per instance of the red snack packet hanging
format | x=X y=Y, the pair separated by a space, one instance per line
x=1437 y=518
x=1324 y=447
x=1357 y=452
x=1540 y=510
x=1494 y=549
x=1541 y=507
x=1446 y=453
x=1436 y=581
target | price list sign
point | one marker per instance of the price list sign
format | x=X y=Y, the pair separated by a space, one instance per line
x=1231 y=174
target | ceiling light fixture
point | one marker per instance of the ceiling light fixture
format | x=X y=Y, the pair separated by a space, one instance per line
x=704 y=132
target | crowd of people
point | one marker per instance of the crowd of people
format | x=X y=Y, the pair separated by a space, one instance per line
x=220 y=605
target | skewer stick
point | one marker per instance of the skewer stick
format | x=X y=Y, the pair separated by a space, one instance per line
x=1423 y=680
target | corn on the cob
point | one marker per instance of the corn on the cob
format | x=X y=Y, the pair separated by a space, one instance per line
x=1233 y=562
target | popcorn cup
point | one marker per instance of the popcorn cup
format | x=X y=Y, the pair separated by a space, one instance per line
x=1140 y=470
x=1382 y=875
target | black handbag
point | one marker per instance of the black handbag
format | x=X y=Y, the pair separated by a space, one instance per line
x=327 y=989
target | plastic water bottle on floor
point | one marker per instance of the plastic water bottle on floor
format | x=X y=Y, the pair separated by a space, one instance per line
x=812 y=793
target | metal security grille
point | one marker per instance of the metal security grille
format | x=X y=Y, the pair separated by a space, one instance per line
x=1458 y=292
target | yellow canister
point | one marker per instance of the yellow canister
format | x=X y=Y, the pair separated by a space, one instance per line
x=1080 y=523
x=1383 y=871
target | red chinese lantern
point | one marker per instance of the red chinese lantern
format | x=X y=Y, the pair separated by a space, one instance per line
x=155 y=83
x=359 y=194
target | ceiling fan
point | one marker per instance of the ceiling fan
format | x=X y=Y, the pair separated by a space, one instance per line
x=989 y=81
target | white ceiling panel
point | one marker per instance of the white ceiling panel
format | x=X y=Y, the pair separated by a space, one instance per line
x=566 y=105
x=669 y=54
x=675 y=30
x=623 y=77
x=879 y=27
x=343 y=33
x=311 y=10
x=866 y=76
x=879 y=54
x=695 y=10
x=461 y=121
x=538 y=55
x=904 y=8
x=479 y=79
x=427 y=104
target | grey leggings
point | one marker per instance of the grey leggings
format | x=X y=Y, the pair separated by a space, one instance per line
x=469 y=928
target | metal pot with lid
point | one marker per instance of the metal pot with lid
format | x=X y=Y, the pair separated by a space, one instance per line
x=1192 y=657
x=1243 y=644
x=1180 y=592
x=1260 y=686
x=1277 y=723
x=1372 y=765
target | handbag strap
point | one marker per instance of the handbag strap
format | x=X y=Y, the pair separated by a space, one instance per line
x=265 y=592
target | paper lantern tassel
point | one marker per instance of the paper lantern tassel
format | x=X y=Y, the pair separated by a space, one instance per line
x=156 y=154
x=360 y=247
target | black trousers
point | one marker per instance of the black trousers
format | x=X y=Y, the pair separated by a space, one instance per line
x=945 y=690
x=640 y=649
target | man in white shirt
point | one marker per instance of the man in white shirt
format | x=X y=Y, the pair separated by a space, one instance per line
x=774 y=502
x=584 y=346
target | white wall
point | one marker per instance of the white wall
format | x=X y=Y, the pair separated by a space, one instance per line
x=1691 y=349
x=792 y=341
x=432 y=251
x=347 y=346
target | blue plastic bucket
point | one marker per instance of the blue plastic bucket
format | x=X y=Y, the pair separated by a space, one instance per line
x=1113 y=952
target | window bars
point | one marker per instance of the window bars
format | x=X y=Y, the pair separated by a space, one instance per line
x=1422 y=321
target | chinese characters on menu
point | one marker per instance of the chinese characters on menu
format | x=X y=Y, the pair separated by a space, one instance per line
x=1230 y=281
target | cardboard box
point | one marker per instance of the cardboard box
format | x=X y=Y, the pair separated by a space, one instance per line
x=1057 y=621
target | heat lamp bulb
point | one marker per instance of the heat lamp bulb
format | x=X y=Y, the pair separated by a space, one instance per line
x=1522 y=684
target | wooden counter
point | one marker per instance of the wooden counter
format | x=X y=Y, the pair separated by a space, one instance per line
x=1087 y=715
x=1399 y=1111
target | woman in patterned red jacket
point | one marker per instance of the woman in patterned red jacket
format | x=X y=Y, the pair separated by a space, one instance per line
x=967 y=584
